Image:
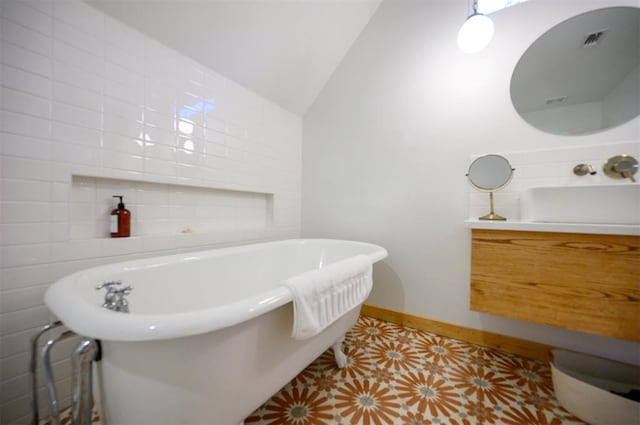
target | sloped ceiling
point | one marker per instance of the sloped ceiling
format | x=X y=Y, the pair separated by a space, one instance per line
x=284 y=50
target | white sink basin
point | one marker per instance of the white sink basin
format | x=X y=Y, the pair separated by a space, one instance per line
x=604 y=204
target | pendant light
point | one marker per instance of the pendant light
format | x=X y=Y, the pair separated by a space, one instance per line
x=476 y=32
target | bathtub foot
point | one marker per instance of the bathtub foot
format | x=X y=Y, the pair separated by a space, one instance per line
x=341 y=359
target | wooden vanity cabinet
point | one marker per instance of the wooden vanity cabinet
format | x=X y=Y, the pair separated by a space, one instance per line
x=583 y=282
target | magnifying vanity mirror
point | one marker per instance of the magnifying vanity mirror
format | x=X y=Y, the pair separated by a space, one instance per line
x=583 y=75
x=490 y=173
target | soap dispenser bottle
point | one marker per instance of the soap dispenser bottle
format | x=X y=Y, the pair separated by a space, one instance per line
x=120 y=221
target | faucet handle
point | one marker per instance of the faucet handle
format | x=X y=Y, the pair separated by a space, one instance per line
x=621 y=167
x=109 y=285
x=629 y=176
x=123 y=291
x=115 y=287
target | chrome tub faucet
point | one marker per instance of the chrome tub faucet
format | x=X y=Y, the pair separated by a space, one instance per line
x=115 y=299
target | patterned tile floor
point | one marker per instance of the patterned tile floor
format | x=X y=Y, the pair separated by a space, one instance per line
x=399 y=375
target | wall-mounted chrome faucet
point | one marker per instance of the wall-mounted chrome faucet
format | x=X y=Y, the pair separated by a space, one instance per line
x=583 y=170
x=115 y=299
x=621 y=167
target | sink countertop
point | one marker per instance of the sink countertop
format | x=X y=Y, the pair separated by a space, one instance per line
x=603 y=229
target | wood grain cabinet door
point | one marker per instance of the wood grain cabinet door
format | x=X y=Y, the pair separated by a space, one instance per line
x=583 y=282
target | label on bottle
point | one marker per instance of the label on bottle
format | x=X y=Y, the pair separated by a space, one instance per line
x=114 y=224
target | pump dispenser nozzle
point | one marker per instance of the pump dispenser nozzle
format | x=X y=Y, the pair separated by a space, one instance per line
x=120 y=204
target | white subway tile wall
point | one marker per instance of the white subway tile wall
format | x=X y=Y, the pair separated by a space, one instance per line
x=90 y=108
x=548 y=167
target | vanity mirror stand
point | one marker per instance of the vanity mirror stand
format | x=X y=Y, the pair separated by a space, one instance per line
x=489 y=173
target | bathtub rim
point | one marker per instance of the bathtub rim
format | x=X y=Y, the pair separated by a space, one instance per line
x=96 y=322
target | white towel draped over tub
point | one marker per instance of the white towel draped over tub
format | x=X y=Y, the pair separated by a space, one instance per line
x=322 y=296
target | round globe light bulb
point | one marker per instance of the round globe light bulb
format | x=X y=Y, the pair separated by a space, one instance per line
x=475 y=34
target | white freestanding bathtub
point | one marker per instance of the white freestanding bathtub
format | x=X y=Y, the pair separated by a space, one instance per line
x=208 y=336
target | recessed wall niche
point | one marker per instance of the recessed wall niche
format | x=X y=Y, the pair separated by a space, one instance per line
x=164 y=209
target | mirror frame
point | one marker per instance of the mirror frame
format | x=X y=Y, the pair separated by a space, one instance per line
x=478 y=161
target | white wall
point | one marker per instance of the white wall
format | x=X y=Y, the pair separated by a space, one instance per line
x=82 y=95
x=387 y=144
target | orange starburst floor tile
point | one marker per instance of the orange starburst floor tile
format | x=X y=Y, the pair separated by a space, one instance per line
x=403 y=376
x=399 y=375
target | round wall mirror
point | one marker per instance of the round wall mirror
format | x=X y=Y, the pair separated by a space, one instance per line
x=490 y=173
x=583 y=75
